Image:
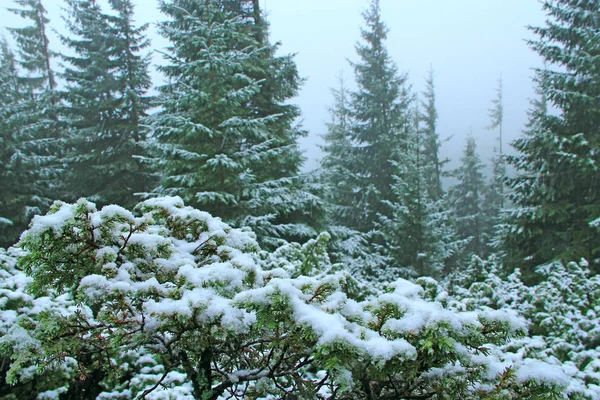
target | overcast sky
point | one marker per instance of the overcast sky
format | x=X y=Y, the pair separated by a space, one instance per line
x=469 y=44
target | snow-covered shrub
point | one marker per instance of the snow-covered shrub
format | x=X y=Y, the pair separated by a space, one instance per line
x=481 y=285
x=562 y=311
x=177 y=304
x=17 y=304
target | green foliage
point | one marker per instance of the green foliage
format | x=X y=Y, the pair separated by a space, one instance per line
x=225 y=139
x=431 y=140
x=175 y=303
x=467 y=199
x=106 y=99
x=30 y=132
x=561 y=311
x=556 y=190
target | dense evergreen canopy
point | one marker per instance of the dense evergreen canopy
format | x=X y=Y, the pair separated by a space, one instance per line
x=312 y=285
x=105 y=100
x=31 y=130
x=225 y=137
x=557 y=188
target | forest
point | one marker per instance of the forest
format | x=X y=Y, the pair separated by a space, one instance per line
x=163 y=241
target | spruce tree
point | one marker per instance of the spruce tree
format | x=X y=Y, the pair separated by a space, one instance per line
x=339 y=179
x=225 y=138
x=10 y=98
x=467 y=201
x=557 y=189
x=30 y=118
x=431 y=140
x=417 y=236
x=337 y=163
x=291 y=198
x=107 y=97
x=381 y=120
x=495 y=196
x=366 y=145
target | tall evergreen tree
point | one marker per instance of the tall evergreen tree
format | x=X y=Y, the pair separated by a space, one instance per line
x=417 y=237
x=496 y=114
x=557 y=188
x=225 y=136
x=337 y=163
x=10 y=98
x=381 y=120
x=431 y=140
x=30 y=120
x=339 y=179
x=338 y=176
x=467 y=201
x=495 y=197
x=107 y=97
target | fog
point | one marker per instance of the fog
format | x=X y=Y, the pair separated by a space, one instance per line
x=468 y=43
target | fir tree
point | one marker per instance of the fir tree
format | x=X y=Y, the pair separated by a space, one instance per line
x=337 y=164
x=431 y=140
x=339 y=179
x=467 y=201
x=225 y=137
x=10 y=97
x=495 y=197
x=107 y=98
x=557 y=188
x=30 y=119
x=417 y=237
x=381 y=120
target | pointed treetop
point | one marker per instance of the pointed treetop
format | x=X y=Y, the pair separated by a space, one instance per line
x=496 y=112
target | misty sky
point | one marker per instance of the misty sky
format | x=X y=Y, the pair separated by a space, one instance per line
x=469 y=44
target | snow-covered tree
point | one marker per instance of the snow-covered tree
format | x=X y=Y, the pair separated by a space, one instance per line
x=30 y=124
x=495 y=194
x=225 y=137
x=340 y=182
x=381 y=120
x=106 y=95
x=175 y=303
x=417 y=237
x=467 y=201
x=431 y=140
x=556 y=192
x=11 y=96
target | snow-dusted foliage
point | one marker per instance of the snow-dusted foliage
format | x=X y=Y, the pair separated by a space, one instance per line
x=468 y=202
x=106 y=97
x=225 y=138
x=562 y=310
x=556 y=191
x=177 y=304
x=30 y=134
